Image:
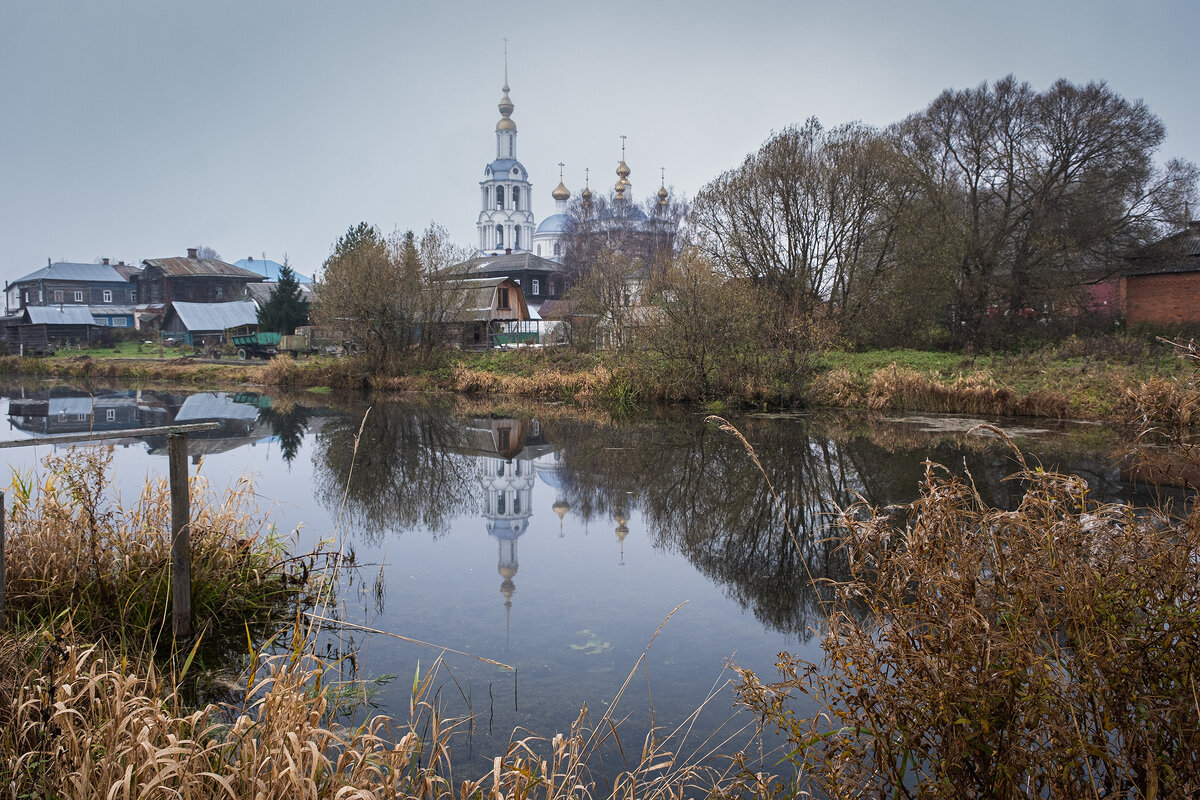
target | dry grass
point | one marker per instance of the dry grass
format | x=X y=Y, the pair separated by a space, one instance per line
x=83 y=720
x=1047 y=651
x=898 y=388
x=72 y=549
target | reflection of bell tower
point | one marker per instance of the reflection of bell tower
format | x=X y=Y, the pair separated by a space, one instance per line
x=622 y=531
x=507 y=506
x=550 y=469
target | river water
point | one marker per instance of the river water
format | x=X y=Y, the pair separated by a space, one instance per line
x=554 y=543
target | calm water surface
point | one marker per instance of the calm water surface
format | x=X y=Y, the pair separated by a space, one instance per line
x=552 y=543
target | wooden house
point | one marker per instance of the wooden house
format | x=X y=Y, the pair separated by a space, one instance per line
x=474 y=309
x=163 y=281
x=104 y=288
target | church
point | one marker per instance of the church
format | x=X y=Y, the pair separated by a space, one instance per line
x=510 y=245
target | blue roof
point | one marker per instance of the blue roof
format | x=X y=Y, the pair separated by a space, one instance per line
x=269 y=268
x=503 y=167
x=68 y=271
x=555 y=223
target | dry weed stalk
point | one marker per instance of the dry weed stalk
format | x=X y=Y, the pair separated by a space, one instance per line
x=1048 y=651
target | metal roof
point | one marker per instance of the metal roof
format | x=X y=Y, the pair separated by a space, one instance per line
x=268 y=268
x=513 y=262
x=59 y=315
x=180 y=267
x=1179 y=252
x=69 y=271
x=261 y=292
x=216 y=316
x=502 y=169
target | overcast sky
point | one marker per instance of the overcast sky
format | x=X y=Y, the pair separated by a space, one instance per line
x=137 y=128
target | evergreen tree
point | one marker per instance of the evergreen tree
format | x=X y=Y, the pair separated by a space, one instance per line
x=285 y=308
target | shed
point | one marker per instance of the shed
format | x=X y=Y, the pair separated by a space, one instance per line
x=39 y=329
x=207 y=323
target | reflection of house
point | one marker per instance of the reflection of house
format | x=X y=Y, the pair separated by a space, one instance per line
x=49 y=415
x=206 y=323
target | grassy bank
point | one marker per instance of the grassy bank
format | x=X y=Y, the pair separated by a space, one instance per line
x=1080 y=378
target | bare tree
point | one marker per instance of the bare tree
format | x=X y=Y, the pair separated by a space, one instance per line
x=810 y=216
x=1038 y=191
x=208 y=253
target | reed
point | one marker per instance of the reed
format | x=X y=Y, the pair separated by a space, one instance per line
x=72 y=549
x=976 y=652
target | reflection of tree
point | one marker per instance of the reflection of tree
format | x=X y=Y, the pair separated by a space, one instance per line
x=289 y=423
x=406 y=472
x=699 y=493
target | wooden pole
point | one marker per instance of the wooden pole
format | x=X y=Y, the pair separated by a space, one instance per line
x=3 y=621
x=181 y=545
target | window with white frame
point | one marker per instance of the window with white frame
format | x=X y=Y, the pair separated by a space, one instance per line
x=119 y=322
x=535 y=286
x=110 y=414
x=79 y=297
x=108 y=295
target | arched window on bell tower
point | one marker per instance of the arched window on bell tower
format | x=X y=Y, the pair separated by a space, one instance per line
x=499 y=197
x=517 y=238
x=516 y=195
x=499 y=236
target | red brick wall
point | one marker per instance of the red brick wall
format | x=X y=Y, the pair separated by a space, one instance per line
x=1162 y=299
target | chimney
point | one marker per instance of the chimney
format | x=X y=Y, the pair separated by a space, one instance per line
x=192 y=252
x=249 y=258
x=508 y=251
x=105 y=262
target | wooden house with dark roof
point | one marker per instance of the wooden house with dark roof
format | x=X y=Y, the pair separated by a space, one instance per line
x=191 y=279
x=540 y=279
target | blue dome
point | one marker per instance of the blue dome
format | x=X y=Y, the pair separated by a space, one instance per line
x=555 y=223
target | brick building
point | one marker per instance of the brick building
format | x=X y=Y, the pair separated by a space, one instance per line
x=1162 y=285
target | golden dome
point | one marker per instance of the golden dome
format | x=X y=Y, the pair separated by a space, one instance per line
x=561 y=192
x=508 y=573
x=623 y=169
x=619 y=517
x=587 y=194
x=620 y=188
x=506 y=124
x=622 y=531
x=560 y=508
x=662 y=195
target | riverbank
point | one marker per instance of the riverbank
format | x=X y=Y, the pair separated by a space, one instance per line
x=1090 y=379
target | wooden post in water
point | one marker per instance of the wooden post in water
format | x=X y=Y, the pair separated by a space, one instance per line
x=181 y=536
x=2 y=584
